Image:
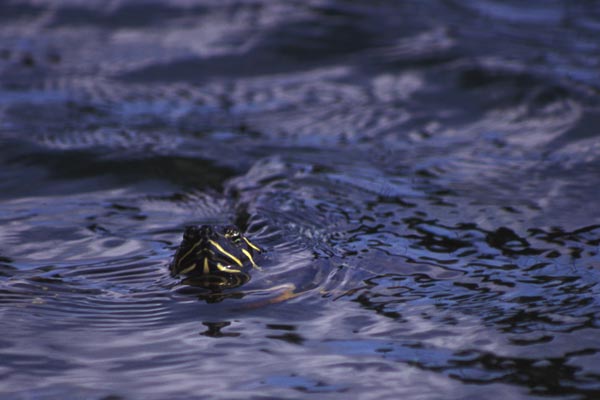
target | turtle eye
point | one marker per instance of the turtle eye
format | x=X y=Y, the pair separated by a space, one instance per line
x=233 y=234
x=189 y=233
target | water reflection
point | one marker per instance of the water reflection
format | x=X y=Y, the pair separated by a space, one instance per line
x=285 y=333
x=215 y=330
x=215 y=288
x=217 y=283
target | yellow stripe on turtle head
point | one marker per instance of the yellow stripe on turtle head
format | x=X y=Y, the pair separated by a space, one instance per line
x=222 y=250
x=187 y=253
x=224 y=268
x=247 y=254
x=188 y=269
x=249 y=243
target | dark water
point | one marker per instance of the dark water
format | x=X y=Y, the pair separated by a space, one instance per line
x=425 y=175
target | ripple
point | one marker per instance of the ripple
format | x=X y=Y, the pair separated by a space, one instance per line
x=105 y=296
x=422 y=174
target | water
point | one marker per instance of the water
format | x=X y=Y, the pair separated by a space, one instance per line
x=424 y=176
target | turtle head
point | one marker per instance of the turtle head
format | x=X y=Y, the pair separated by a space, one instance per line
x=213 y=250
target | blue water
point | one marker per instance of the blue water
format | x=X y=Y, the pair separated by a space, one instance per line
x=423 y=175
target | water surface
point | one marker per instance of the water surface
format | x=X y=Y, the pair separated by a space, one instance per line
x=424 y=176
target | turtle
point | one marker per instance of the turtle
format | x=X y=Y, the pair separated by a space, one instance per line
x=215 y=256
